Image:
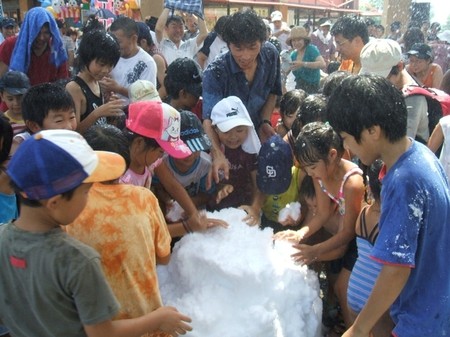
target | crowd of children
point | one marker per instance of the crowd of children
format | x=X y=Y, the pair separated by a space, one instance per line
x=93 y=190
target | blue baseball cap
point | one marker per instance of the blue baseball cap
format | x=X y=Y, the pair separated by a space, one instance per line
x=52 y=162
x=274 y=171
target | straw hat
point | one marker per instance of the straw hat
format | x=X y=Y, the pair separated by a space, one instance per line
x=297 y=33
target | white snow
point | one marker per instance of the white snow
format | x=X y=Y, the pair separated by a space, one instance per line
x=238 y=282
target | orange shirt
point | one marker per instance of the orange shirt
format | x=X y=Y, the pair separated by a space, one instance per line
x=126 y=226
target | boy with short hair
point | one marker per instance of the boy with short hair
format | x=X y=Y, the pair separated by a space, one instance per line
x=12 y=86
x=46 y=106
x=58 y=278
x=414 y=229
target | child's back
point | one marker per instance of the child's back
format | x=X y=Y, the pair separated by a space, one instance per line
x=56 y=282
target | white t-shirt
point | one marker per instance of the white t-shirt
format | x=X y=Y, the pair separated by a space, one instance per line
x=417 y=119
x=171 y=52
x=445 y=152
x=138 y=67
x=217 y=48
x=282 y=37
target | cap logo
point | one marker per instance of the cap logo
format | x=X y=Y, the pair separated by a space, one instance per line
x=234 y=112
x=271 y=172
x=172 y=131
x=189 y=132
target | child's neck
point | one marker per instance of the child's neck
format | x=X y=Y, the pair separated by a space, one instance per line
x=14 y=116
x=137 y=168
x=394 y=151
x=87 y=77
x=35 y=219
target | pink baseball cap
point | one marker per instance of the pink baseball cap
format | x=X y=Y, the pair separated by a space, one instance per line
x=160 y=121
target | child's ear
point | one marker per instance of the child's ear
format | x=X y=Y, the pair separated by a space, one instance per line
x=33 y=126
x=332 y=155
x=374 y=132
x=53 y=202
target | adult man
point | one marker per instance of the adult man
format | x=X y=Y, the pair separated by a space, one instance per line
x=323 y=40
x=250 y=70
x=384 y=57
x=173 y=46
x=279 y=29
x=350 y=35
x=37 y=51
x=134 y=63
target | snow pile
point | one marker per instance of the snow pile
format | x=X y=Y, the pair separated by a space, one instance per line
x=237 y=282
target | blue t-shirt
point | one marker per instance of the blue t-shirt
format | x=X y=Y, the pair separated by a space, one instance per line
x=307 y=74
x=223 y=78
x=415 y=232
x=8 y=207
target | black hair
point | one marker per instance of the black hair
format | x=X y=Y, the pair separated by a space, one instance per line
x=369 y=22
x=350 y=27
x=291 y=101
x=307 y=188
x=315 y=142
x=244 y=27
x=40 y=99
x=220 y=24
x=180 y=75
x=380 y=27
x=313 y=109
x=92 y=24
x=127 y=25
x=412 y=36
x=36 y=203
x=372 y=173
x=363 y=101
x=150 y=143
x=395 y=26
x=98 y=45
x=6 y=136
x=332 y=81
x=395 y=70
x=175 y=18
x=333 y=66
x=106 y=137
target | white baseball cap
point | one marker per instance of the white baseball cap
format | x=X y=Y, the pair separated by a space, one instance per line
x=229 y=113
x=378 y=56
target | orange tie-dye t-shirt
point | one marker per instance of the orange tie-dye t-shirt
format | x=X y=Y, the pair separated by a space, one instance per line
x=126 y=226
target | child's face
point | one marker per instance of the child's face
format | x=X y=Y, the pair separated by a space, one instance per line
x=60 y=119
x=99 y=69
x=186 y=163
x=365 y=150
x=312 y=205
x=317 y=170
x=68 y=210
x=234 y=137
x=13 y=102
x=288 y=120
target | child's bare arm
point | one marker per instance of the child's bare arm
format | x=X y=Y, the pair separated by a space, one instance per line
x=354 y=194
x=436 y=139
x=388 y=286
x=166 y=319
